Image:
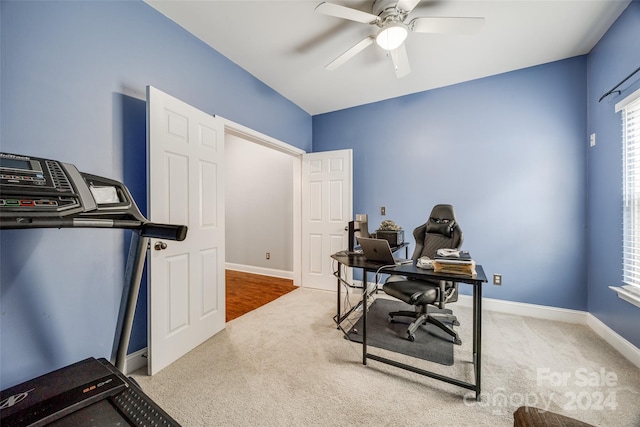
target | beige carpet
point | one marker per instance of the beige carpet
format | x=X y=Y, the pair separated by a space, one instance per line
x=286 y=364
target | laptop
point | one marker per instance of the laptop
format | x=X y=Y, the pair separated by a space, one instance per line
x=378 y=250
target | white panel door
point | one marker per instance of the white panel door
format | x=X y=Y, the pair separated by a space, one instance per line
x=327 y=208
x=186 y=279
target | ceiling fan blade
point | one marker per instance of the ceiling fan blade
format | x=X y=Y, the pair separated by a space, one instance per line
x=346 y=13
x=400 y=61
x=443 y=25
x=350 y=53
x=407 y=5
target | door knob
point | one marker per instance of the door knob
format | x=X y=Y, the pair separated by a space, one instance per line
x=160 y=246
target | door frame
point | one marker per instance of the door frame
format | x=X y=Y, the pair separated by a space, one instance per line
x=248 y=134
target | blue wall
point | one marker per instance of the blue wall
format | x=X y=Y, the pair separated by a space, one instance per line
x=613 y=59
x=511 y=153
x=73 y=83
x=507 y=151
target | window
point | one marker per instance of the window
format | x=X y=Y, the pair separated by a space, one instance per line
x=630 y=112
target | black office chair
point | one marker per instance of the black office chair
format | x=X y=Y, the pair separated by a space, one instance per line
x=440 y=231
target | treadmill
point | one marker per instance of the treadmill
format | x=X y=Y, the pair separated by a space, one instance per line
x=46 y=193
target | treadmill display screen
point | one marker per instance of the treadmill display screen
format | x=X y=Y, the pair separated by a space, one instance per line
x=15 y=164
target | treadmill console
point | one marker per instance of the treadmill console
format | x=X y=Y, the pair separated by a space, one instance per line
x=45 y=193
x=40 y=187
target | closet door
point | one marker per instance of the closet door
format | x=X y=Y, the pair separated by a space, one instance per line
x=327 y=208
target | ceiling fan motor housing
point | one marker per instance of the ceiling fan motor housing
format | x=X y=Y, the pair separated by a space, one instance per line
x=387 y=12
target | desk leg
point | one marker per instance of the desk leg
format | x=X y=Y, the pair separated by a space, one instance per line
x=364 y=317
x=477 y=335
x=339 y=296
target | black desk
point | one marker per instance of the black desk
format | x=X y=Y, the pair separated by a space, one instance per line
x=410 y=270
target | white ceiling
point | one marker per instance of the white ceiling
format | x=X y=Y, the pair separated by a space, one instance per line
x=286 y=45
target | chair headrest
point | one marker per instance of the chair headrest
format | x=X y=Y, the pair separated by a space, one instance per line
x=442 y=220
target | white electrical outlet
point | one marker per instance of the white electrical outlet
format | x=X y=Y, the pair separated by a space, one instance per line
x=497 y=279
x=592 y=140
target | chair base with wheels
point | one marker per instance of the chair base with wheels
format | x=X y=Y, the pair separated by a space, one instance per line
x=421 y=294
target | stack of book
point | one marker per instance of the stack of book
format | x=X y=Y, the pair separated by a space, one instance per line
x=455 y=262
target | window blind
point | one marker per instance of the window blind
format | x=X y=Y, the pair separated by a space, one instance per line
x=631 y=194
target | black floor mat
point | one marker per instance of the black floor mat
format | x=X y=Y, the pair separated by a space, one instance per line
x=431 y=342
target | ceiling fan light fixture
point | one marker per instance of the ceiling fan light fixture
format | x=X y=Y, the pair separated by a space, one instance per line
x=392 y=36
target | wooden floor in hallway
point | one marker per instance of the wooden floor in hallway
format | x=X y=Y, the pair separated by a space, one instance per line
x=247 y=291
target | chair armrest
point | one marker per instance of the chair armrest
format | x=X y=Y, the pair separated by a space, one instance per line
x=442 y=286
x=395 y=278
x=448 y=292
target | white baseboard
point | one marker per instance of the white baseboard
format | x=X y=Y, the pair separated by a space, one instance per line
x=627 y=349
x=135 y=361
x=260 y=270
x=530 y=310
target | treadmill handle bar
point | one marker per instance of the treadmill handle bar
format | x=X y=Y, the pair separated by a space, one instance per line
x=164 y=231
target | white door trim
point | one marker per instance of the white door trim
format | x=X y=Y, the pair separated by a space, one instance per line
x=236 y=129
x=254 y=136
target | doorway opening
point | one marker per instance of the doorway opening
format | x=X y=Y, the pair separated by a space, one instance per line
x=262 y=219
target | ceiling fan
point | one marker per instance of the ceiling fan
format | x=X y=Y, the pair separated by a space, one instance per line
x=389 y=16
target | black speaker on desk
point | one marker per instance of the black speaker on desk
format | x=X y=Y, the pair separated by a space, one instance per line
x=357 y=228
